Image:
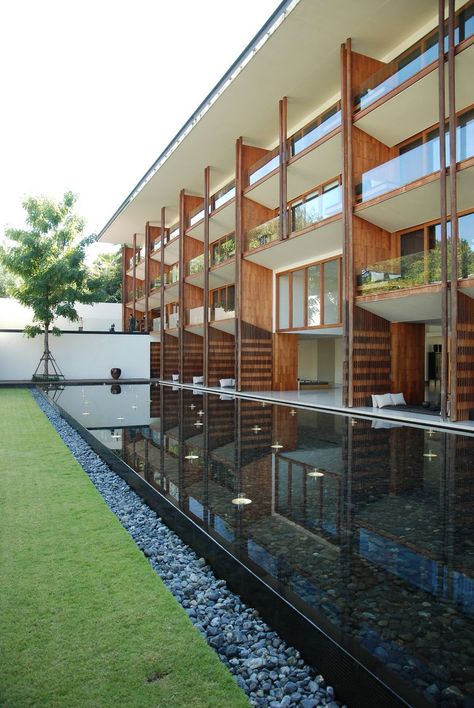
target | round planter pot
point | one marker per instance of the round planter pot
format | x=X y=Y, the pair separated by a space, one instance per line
x=115 y=373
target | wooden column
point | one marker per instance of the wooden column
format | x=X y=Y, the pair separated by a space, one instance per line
x=181 y=315
x=207 y=201
x=124 y=286
x=162 y=293
x=443 y=216
x=283 y=128
x=239 y=243
x=348 y=256
x=146 y=327
x=134 y=276
x=453 y=209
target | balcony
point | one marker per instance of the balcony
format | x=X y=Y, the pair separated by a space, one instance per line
x=315 y=209
x=195 y=227
x=172 y=245
x=222 y=218
x=223 y=318
x=156 y=329
x=172 y=324
x=195 y=320
x=263 y=180
x=401 y=99
x=171 y=284
x=223 y=196
x=405 y=191
x=154 y=296
x=139 y=261
x=314 y=150
x=411 y=271
x=263 y=234
x=155 y=249
x=195 y=265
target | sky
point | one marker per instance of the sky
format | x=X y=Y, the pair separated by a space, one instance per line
x=93 y=90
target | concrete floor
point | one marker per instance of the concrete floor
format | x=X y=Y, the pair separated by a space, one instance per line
x=331 y=400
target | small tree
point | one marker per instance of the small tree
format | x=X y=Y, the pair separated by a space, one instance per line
x=48 y=264
x=106 y=273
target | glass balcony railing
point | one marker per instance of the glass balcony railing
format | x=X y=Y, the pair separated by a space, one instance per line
x=172 y=276
x=156 y=245
x=408 y=64
x=223 y=196
x=398 y=273
x=156 y=324
x=416 y=163
x=222 y=252
x=195 y=316
x=316 y=209
x=173 y=321
x=262 y=234
x=196 y=216
x=173 y=233
x=217 y=313
x=195 y=265
x=155 y=284
x=316 y=130
x=135 y=294
x=264 y=166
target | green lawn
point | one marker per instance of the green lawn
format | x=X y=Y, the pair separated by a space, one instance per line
x=84 y=620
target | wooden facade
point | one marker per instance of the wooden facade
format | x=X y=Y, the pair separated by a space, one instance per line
x=384 y=346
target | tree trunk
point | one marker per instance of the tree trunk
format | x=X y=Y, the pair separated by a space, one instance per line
x=46 y=350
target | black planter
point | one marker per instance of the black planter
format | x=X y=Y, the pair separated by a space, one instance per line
x=115 y=389
x=115 y=373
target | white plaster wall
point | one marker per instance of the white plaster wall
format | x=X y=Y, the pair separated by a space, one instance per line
x=326 y=359
x=79 y=355
x=96 y=317
x=307 y=358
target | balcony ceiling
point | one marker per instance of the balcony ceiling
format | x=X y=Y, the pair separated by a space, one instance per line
x=405 y=306
x=321 y=242
x=315 y=167
x=290 y=63
x=416 y=107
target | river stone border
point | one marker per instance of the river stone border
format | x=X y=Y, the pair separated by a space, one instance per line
x=270 y=672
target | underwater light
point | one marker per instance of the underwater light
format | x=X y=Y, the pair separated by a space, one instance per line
x=241 y=500
x=315 y=473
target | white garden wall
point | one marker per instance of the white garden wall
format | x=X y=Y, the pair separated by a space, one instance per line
x=97 y=317
x=79 y=355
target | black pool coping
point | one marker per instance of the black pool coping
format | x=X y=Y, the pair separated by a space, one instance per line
x=354 y=683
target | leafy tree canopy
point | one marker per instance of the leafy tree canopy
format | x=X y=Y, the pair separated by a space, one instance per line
x=106 y=273
x=47 y=262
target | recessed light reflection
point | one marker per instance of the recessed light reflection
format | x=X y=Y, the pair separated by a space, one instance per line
x=198 y=424
x=200 y=412
x=191 y=456
x=256 y=428
x=277 y=446
x=120 y=417
x=315 y=473
x=292 y=412
x=430 y=455
x=241 y=500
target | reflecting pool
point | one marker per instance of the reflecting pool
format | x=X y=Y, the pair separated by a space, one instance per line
x=364 y=526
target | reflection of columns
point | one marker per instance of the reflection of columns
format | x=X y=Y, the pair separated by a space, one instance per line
x=454 y=213
x=443 y=215
x=181 y=414
x=205 y=462
x=450 y=442
x=346 y=525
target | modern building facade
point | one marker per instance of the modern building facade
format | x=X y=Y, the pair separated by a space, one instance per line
x=308 y=222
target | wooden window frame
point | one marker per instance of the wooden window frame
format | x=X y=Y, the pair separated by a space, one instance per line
x=304 y=268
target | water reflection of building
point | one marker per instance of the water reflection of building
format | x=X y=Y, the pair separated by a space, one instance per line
x=367 y=531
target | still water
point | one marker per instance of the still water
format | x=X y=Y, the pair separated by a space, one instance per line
x=366 y=529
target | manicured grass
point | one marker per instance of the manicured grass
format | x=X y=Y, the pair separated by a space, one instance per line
x=84 y=620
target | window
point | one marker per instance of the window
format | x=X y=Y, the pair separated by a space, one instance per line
x=310 y=296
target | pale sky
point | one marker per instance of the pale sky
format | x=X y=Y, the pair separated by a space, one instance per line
x=93 y=90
